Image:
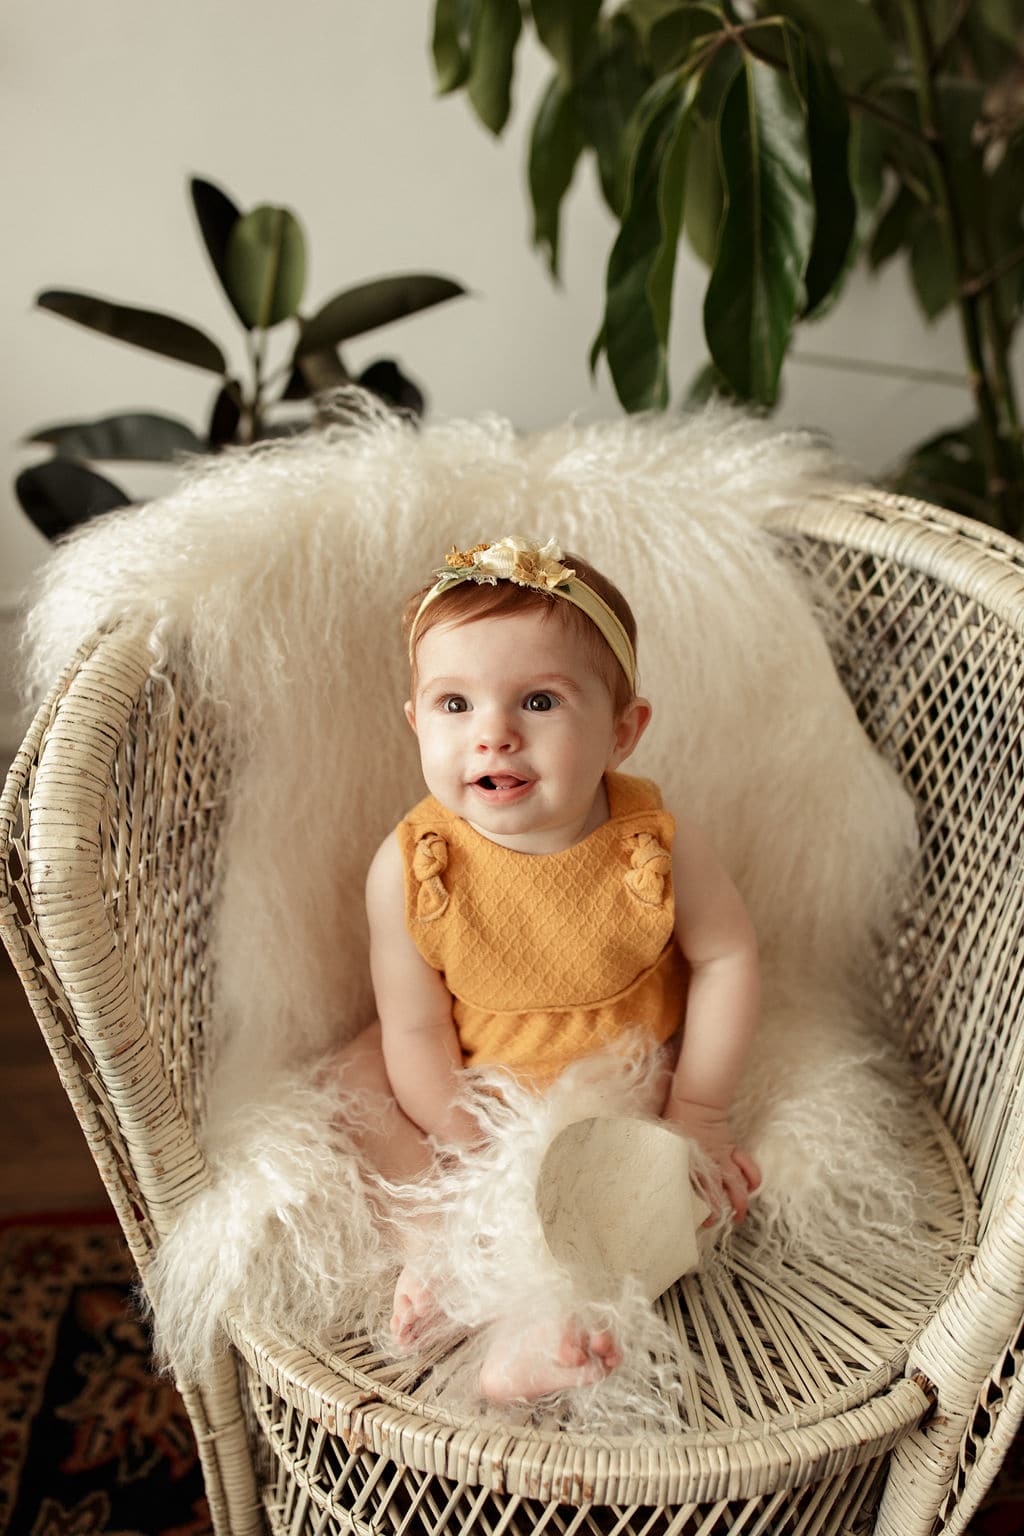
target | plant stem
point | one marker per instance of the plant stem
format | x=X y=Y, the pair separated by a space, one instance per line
x=999 y=466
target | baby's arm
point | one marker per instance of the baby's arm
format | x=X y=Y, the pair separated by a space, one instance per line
x=716 y=935
x=421 y=1048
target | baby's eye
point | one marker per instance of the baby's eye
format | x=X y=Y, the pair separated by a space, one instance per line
x=454 y=704
x=537 y=702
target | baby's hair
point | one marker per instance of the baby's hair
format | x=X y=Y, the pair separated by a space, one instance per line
x=480 y=600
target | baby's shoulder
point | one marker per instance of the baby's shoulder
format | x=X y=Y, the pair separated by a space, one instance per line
x=628 y=794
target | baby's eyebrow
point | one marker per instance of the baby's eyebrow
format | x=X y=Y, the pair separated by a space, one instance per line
x=534 y=683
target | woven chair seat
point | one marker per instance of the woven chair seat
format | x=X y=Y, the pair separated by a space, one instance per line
x=777 y=1369
x=811 y=1402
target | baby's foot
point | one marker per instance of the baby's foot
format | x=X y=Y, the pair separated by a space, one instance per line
x=414 y=1311
x=547 y=1359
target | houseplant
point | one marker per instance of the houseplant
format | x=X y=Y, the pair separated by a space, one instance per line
x=787 y=139
x=259 y=258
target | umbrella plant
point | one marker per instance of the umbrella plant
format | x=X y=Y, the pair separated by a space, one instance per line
x=259 y=258
x=786 y=139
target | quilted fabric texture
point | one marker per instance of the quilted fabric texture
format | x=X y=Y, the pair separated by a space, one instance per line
x=553 y=956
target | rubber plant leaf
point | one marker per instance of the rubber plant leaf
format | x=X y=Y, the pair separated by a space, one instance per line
x=140 y=435
x=61 y=494
x=606 y=97
x=265 y=266
x=385 y=379
x=225 y=416
x=851 y=34
x=450 y=44
x=756 y=287
x=565 y=28
x=638 y=300
x=675 y=37
x=358 y=310
x=556 y=144
x=217 y=216
x=146 y=328
x=495 y=33
x=835 y=207
x=932 y=268
x=949 y=469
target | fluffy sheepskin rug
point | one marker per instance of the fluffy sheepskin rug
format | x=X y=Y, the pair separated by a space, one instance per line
x=274 y=579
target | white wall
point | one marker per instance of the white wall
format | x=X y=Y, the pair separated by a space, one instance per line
x=328 y=106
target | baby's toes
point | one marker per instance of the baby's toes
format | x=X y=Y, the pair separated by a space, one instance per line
x=604 y=1347
x=572 y=1346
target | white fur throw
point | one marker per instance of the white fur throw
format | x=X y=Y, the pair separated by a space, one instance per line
x=286 y=567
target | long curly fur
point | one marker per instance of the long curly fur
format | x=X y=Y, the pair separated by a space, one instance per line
x=276 y=576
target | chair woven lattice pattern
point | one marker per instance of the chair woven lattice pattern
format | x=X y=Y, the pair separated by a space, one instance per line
x=818 y=1402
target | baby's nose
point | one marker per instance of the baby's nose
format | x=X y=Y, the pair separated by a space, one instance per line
x=497 y=733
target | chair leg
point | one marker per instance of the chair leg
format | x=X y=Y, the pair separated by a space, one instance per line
x=215 y=1409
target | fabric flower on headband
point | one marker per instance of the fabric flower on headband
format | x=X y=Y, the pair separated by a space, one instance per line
x=512 y=559
x=540 y=567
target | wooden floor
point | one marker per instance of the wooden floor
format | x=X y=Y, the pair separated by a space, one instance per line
x=44 y=1162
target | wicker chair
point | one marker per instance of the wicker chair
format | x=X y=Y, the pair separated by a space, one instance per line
x=827 y=1403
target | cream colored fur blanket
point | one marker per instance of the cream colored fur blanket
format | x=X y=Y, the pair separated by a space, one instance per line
x=285 y=568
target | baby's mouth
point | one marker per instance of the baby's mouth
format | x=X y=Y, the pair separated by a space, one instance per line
x=498 y=781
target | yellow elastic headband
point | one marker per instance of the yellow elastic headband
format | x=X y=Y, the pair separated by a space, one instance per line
x=536 y=566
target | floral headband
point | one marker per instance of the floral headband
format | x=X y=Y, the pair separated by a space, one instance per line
x=536 y=566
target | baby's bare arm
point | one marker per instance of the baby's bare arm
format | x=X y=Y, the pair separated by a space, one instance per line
x=421 y=1048
x=715 y=933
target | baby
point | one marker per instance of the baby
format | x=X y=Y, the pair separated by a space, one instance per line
x=538 y=906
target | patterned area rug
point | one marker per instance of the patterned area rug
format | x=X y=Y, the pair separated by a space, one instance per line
x=90 y=1443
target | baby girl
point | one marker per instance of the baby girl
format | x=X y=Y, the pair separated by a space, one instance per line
x=539 y=906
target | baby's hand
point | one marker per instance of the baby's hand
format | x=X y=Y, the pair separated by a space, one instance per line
x=709 y=1126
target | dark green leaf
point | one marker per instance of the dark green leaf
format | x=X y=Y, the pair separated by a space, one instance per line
x=450 y=44
x=323 y=371
x=606 y=98
x=674 y=37
x=835 y=209
x=867 y=170
x=596 y=349
x=757 y=283
x=849 y=31
x=1004 y=190
x=643 y=15
x=565 y=28
x=555 y=146
x=62 y=494
x=642 y=263
x=893 y=228
x=265 y=266
x=217 y=217
x=226 y=415
x=496 y=28
x=1004 y=18
x=146 y=328
x=364 y=308
x=949 y=469
x=139 y=435
x=931 y=263
x=707 y=384
x=705 y=198
x=385 y=379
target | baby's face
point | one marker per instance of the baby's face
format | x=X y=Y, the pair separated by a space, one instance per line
x=515 y=728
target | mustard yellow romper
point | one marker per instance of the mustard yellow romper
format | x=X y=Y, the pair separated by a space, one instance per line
x=549 y=957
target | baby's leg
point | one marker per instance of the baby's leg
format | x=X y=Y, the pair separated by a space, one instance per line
x=531 y=1362
x=397 y=1148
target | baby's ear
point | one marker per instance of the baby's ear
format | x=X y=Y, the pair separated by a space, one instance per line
x=410 y=714
x=629 y=728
